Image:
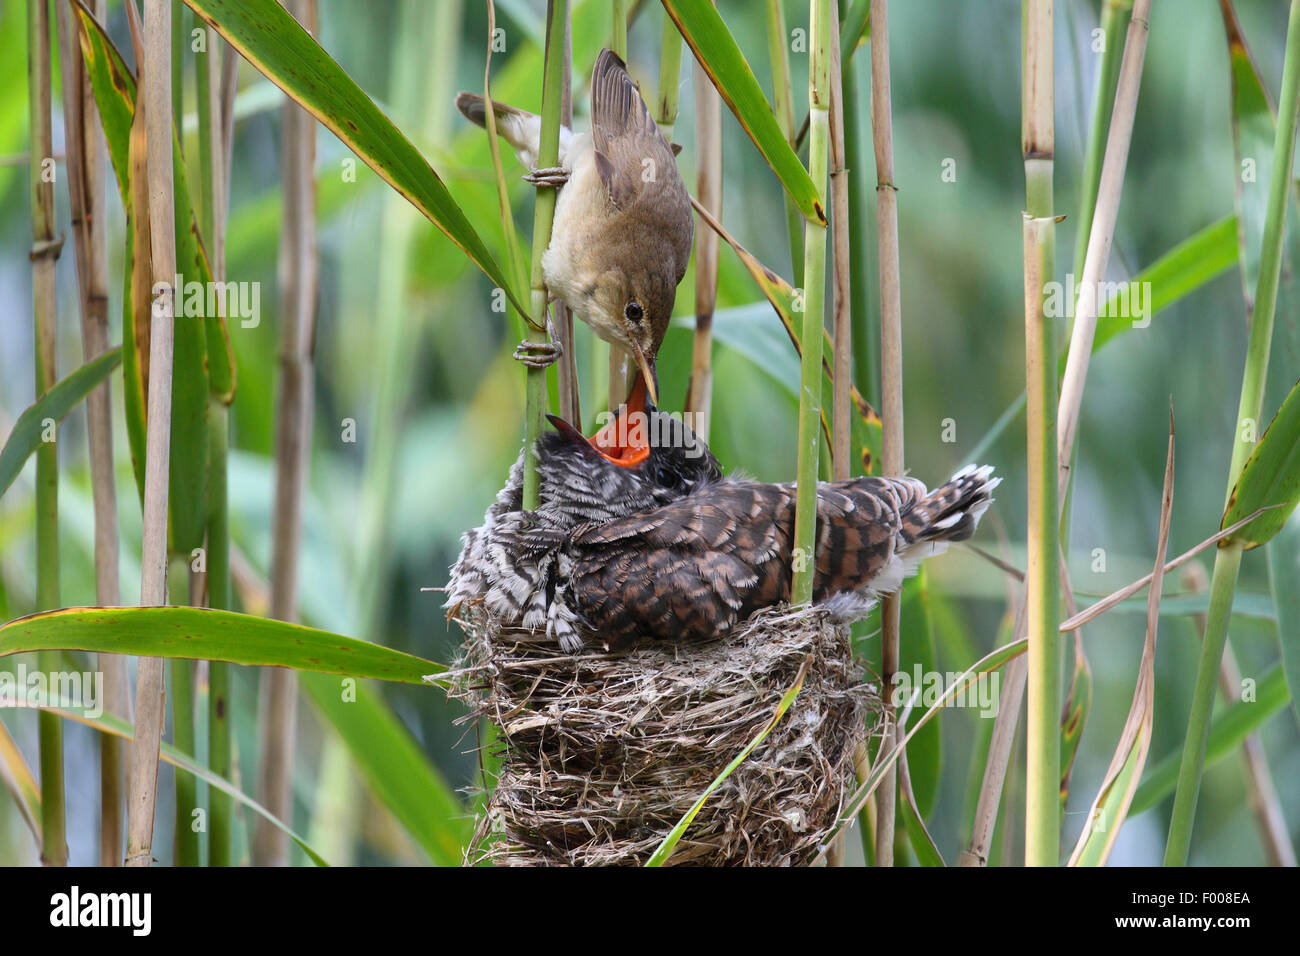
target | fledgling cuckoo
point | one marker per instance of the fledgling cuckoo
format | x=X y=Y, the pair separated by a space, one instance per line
x=650 y=541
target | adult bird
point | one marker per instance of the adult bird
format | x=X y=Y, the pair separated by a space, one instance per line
x=622 y=232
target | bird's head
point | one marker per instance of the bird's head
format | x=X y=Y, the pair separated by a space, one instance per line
x=660 y=448
x=625 y=439
x=634 y=307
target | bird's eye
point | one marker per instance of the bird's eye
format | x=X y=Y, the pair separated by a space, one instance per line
x=633 y=311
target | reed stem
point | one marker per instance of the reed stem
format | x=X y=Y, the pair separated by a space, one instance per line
x=891 y=386
x=1114 y=16
x=215 y=114
x=670 y=77
x=156 y=101
x=557 y=14
x=299 y=268
x=819 y=102
x=221 y=828
x=840 y=249
x=865 y=319
x=1227 y=558
x=186 y=840
x=708 y=188
x=86 y=163
x=778 y=46
x=1042 y=576
x=44 y=255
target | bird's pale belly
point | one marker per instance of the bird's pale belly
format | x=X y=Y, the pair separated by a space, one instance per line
x=568 y=265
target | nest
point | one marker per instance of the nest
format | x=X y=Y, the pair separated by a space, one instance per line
x=602 y=754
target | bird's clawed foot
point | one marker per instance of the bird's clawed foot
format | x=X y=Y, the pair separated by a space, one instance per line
x=538 y=354
x=552 y=177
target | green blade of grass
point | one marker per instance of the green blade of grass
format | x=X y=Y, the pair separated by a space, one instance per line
x=1179 y=272
x=205 y=634
x=1284 y=580
x=917 y=647
x=1186 y=267
x=20 y=782
x=1237 y=722
x=398 y=772
x=108 y=724
x=25 y=437
x=719 y=56
x=273 y=41
x=927 y=853
x=1270 y=479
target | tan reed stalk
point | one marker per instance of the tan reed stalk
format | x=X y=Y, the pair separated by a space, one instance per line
x=1042 y=573
x=44 y=255
x=891 y=382
x=156 y=79
x=1100 y=238
x=708 y=189
x=299 y=270
x=841 y=255
x=86 y=160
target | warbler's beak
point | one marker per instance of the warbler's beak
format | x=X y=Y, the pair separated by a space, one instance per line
x=648 y=373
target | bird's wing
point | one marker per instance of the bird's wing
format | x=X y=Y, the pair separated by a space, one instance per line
x=631 y=154
x=857 y=531
x=695 y=567
x=688 y=570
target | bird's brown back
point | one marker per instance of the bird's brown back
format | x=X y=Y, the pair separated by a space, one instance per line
x=699 y=565
x=637 y=165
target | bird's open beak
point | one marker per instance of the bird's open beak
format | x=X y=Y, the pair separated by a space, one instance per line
x=625 y=440
x=647 y=373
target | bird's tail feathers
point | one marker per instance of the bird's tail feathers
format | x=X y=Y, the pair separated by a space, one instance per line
x=521 y=129
x=952 y=511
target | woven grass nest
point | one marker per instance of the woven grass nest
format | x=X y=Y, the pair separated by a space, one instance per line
x=602 y=754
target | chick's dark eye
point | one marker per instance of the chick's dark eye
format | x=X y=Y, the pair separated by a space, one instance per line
x=633 y=311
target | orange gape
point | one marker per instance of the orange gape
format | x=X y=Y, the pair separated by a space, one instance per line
x=606 y=440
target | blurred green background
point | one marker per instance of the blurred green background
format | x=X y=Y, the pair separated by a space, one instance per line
x=408 y=342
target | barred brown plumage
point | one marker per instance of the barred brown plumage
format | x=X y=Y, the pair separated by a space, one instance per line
x=697 y=566
x=671 y=550
x=504 y=562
